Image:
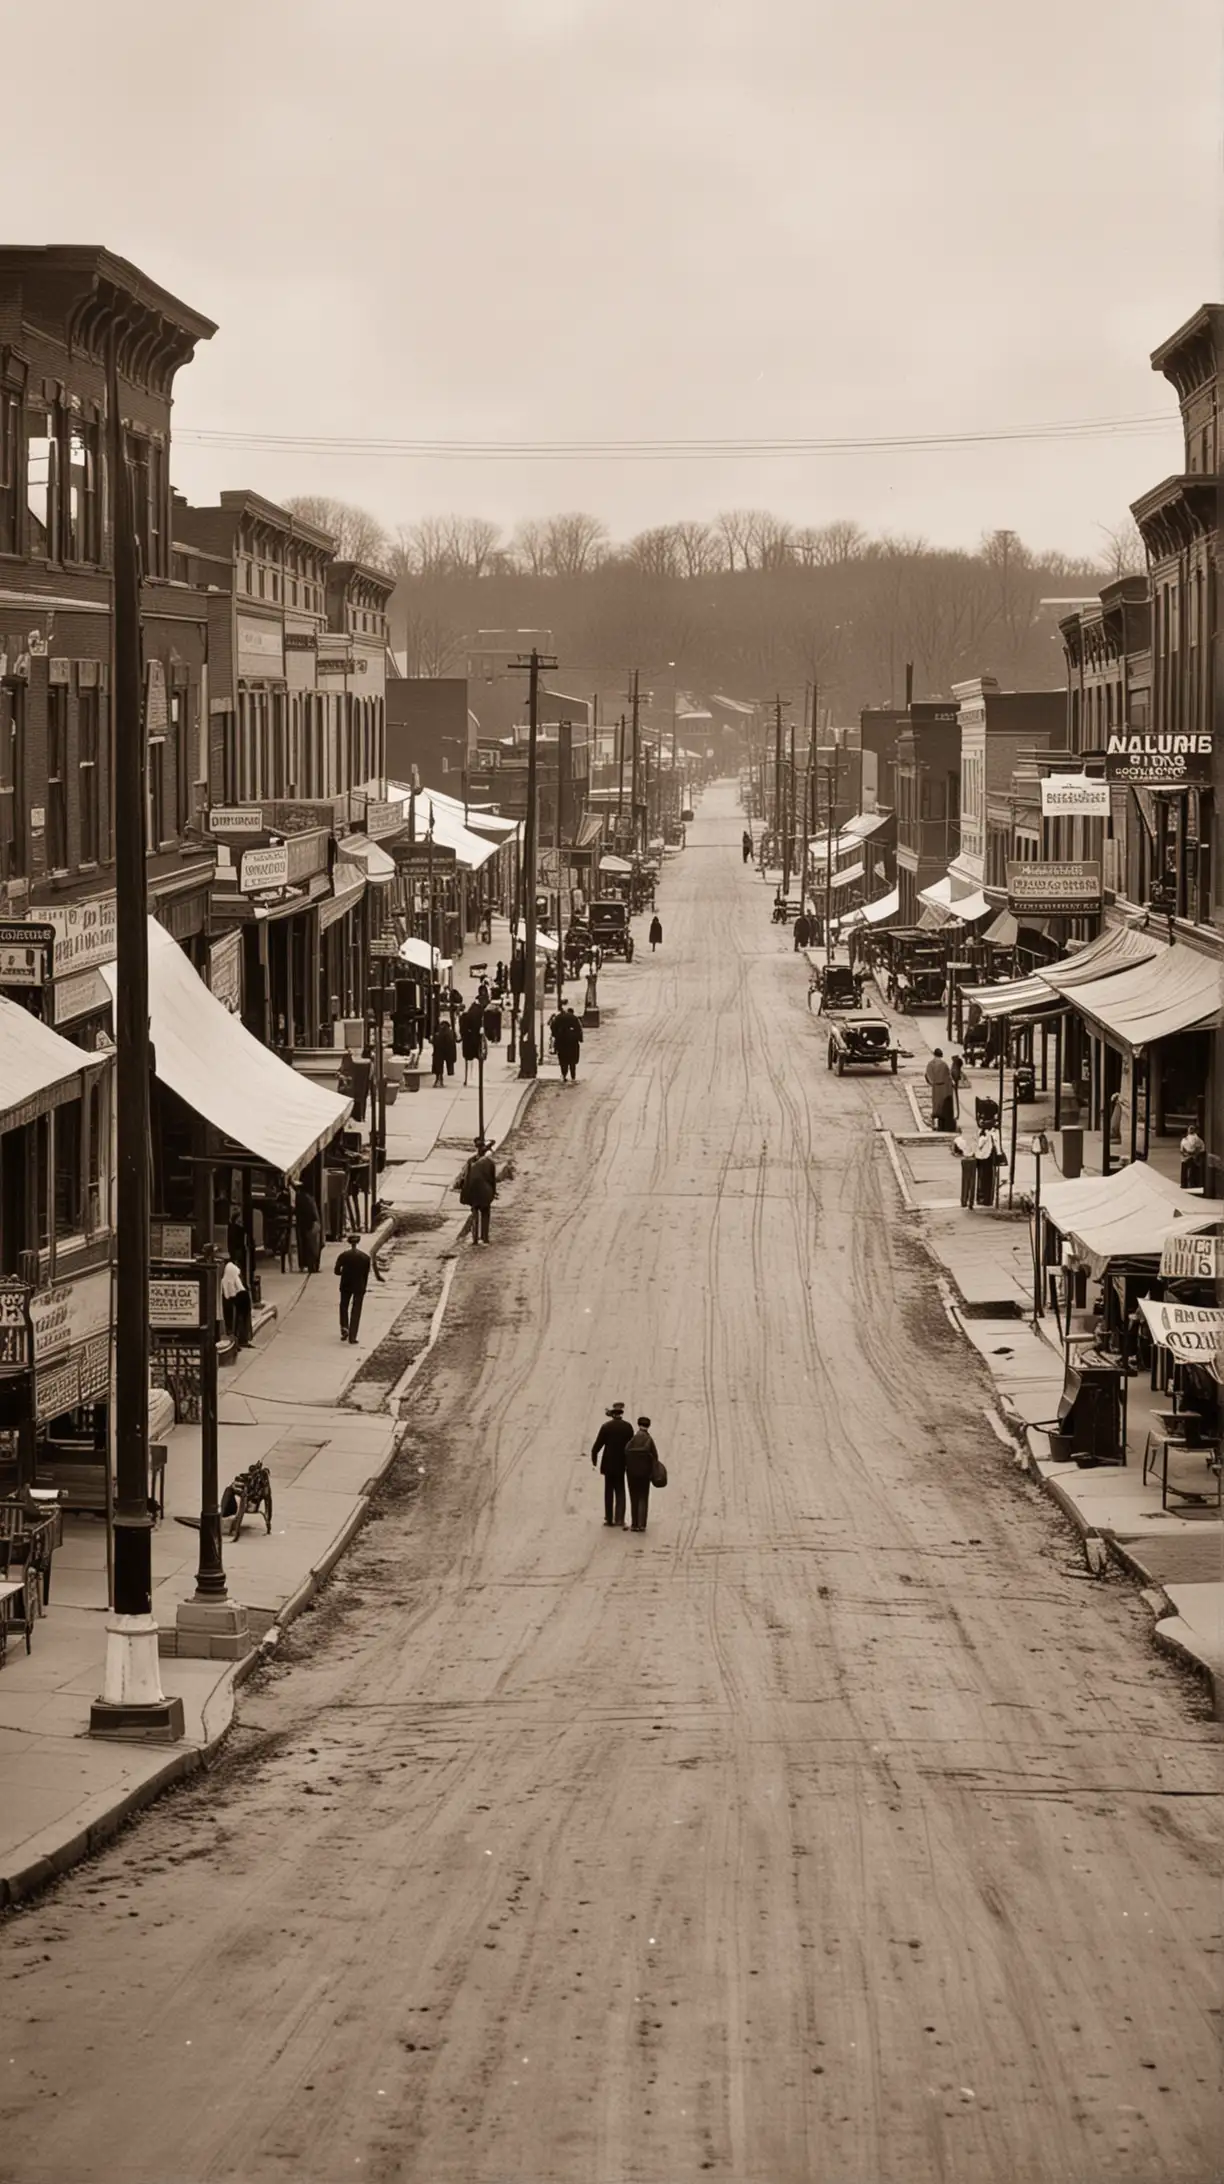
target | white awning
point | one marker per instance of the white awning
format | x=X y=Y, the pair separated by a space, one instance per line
x=614 y=864
x=851 y=877
x=212 y=1062
x=885 y=907
x=1013 y=997
x=1177 y=990
x=419 y=954
x=1193 y=1333
x=1126 y=1215
x=865 y=823
x=1110 y=951
x=377 y=865
x=966 y=909
x=348 y=887
x=471 y=850
x=38 y=1069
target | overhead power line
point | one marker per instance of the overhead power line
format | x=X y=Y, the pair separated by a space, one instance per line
x=677 y=450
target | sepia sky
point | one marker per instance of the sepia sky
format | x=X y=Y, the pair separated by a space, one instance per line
x=600 y=220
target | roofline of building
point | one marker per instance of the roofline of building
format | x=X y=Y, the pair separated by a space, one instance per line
x=101 y=264
x=1208 y=319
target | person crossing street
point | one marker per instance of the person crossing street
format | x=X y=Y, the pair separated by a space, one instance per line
x=609 y=1447
x=353 y=1267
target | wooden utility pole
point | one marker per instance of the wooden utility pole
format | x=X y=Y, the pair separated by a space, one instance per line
x=807 y=805
x=620 y=784
x=132 y=1704
x=635 y=701
x=777 y=800
x=833 y=758
x=528 y=1052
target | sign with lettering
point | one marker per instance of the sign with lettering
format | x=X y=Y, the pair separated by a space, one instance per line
x=176 y=1303
x=16 y=1340
x=1068 y=889
x=157 y=712
x=413 y=858
x=85 y=933
x=26 y=954
x=94 y=1367
x=334 y=663
x=83 y=995
x=382 y=817
x=225 y=971
x=171 y=1240
x=1192 y=1259
x=1192 y=1333
x=1074 y=794
x=307 y=854
x=70 y=1314
x=263 y=869
x=1158 y=759
x=261 y=654
x=57 y=1389
x=236 y=819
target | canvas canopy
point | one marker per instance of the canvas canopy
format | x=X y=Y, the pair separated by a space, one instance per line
x=966 y=909
x=38 y=1069
x=1177 y=990
x=1126 y=1215
x=213 y=1063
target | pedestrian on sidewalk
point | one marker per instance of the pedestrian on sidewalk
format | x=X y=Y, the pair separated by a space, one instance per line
x=353 y=1267
x=957 y=1067
x=746 y=846
x=989 y=1159
x=236 y=1305
x=963 y=1150
x=567 y=1040
x=309 y=1232
x=478 y=1189
x=656 y=934
x=641 y=1456
x=1193 y=1160
x=803 y=931
x=445 y=1050
x=943 y=1092
x=609 y=1447
x=471 y=1032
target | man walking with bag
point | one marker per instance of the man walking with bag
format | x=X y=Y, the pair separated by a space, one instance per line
x=609 y=1447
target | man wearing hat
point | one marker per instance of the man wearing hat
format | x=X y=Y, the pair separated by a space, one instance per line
x=611 y=1441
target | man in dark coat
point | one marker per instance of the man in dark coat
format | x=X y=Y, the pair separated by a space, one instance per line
x=656 y=934
x=567 y=1039
x=309 y=1232
x=479 y=1190
x=471 y=1032
x=803 y=931
x=353 y=1267
x=746 y=846
x=444 y=1050
x=641 y=1456
x=611 y=1441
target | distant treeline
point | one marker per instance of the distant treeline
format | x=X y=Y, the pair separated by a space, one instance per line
x=747 y=603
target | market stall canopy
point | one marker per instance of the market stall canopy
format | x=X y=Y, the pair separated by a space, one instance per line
x=1015 y=997
x=419 y=954
x=1126 y=1215
x=851 y=877
x=1177 y=990
x=212 y=1062
x=965 y=909
x=614 y=864
x=358 y=849
x=1192 y=1333
x=38 y=1069
x=1109 y=952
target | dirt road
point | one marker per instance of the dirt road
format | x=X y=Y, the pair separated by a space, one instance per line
x=838 y=1828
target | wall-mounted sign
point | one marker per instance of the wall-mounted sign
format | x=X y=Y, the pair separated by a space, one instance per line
x=176 y=1303
x=16 y=1335
x=261 y=653
x=298 y=818
x=236 y=819
x=171 y=1240
x=157 y=712
x=1071 y=888
x=225 y=973
x=70 y=1314
x=300 y=640
x=86 y=993
x=382 y=817
x=85 y=933
x=262 y=869
x=1160 y=760
x=57 y=1389
x=307 y=854
x=334 y=663
x=1074 y=794
x=1192 y=1259
x=414 y=858
x=26 y=954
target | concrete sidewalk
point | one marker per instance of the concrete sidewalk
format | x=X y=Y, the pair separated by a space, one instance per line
x=322 y=1416
x=987 y=1256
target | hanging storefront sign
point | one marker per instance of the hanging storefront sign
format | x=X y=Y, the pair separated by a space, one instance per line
x=86 y=933
x=16 y=1336
x=1192 y=1259
x=416 y=858
x=1074 y=794
x=157 y=712
x=176 y=1302
x=171 y=1240
x=26 y=955
x=1071 y=888
x=308 y=853
x=1192 y=1333
x=263 y=869
x=1159 y=760
x=382 y=817
x=225 y=972
x=236 y=819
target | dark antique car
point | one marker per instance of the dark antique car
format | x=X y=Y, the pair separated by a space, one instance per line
x=609 y=928
x=838 y=988
x=861 y=1042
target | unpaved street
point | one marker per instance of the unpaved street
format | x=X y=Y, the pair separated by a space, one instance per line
x=835 y=1830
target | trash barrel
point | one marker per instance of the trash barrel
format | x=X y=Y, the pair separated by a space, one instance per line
x=1071 y=1156
x=1025 y=1084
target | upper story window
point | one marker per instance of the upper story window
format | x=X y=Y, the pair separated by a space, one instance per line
x=147 y=469
x=80 y=515
x=40 y=480
x=11 y=468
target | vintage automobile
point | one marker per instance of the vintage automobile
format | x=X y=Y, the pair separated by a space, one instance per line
x=609 y=928
x=838 y=988
x=861 y=1042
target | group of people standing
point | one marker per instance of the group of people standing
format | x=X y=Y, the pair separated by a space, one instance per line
x=627 y=1458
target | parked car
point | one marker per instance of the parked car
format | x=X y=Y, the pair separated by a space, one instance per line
x=838 y=987
x=861 y=1042
x=609 y=927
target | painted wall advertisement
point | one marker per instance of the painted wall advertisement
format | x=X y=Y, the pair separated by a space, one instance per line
x=1070 y=887
x=1164 y=760
x=1074 y=794
x=72 y=1333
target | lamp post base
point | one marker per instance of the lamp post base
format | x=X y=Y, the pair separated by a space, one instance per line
x=528 y=1060
x=133 y=1707
x=211 y=1630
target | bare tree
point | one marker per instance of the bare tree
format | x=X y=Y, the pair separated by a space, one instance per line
x=530 y=546
x=432 y=646
x=576 y=543
x=733 y=529
x=830 y=545
x=700 y=548
x=656 y=553
x=770 y=541
x=474 y=541
x=1124 y=552
x=359 y=536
